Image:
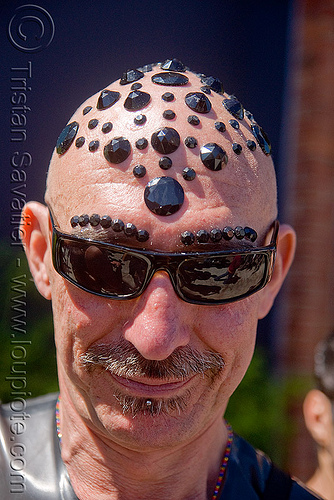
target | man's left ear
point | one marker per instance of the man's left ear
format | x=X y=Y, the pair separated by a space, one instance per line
x=286 y=245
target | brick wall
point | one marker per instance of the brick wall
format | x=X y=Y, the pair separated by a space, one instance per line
x=307 y=301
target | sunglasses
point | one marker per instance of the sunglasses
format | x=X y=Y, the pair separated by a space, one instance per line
x=121 y=273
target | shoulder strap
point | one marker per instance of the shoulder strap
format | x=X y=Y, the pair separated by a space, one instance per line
x=278 y=485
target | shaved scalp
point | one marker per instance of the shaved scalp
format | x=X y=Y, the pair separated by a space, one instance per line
x=160 y=139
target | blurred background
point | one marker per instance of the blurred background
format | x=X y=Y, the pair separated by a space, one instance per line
x=277 y=58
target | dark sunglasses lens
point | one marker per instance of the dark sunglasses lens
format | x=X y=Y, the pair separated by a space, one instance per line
x=101 y=270
x=220 y=279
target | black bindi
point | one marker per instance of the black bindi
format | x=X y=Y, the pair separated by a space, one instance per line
x=213 y=156
x=165 y=163
x=170 y=79
x=93 y=146
x=93 y=123
x=107 y=98
x=136 y=100
x=66 y=137
x=168 y=97
x=140 y=119
x=142 y=143
x=197 y=101
x=80 y=142
x=166 y=140
x=164 y=196
x=139 y=171
x=130 y=76
x=106 y=127
x=117 y=150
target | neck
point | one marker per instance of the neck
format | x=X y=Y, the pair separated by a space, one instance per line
x=322 y=481
x=102 y=469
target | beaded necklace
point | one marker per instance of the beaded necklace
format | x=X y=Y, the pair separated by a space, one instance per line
x=222 y=466
x=224 y=461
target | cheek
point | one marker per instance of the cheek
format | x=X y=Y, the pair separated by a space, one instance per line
x=81 y=319
x=231 y=331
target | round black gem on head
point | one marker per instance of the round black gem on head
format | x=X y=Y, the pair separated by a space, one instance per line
x=193 y=120
x=136 y=100
x=107 y=98
x=80 y=142
x=213 y=156
x=216 y=235
x=86 y=110
x=136 y=86
x=117 y=225
x=220 y=126
x=74 y=221
x=164 y=195
x=214 y=83
x=94 y=220
x=202 y=236
x=190 y=142
x=83 y=220
x=66 y=137
x=237 y=148
x=139 y=171
x=234 y=124
x=197 y=101
x=170 y=79
x=234 y=107
x=130 y=76
x=142 y=235
x=206 y=89
x=187 y=238
x=261 y=138
x=239 y=232
x=166 y=140
x=173 y=65
x=168 y=114
x=140 y=119
x=130 y=229
x=250 y=234
x=168 y=97
x=93 y=123
x=189 y=174
x=105 y=221
x=106 y=127
x=142 y=143
x=251 y=145
x=117 y=150
x=228 y=233
x=93 y=146
x=165 y=163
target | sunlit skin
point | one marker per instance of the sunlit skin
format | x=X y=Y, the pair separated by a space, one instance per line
x=110 y=454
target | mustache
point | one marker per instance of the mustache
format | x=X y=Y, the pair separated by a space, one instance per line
x=123 y=359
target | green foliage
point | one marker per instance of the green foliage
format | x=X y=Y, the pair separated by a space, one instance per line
x=26 y=331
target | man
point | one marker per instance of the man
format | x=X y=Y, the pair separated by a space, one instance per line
x=156 y=246
x=318 y=413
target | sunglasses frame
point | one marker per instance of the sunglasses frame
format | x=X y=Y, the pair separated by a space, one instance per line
x=166 y=261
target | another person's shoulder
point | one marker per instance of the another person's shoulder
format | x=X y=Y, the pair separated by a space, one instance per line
x=251 y=474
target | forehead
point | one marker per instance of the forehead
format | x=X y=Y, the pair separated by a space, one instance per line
x=166 y=148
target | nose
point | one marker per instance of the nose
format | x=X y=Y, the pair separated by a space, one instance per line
x=160 y=322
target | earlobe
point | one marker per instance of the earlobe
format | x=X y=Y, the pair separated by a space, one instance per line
x=34 y=234
x=318 y=417
x=286 y=245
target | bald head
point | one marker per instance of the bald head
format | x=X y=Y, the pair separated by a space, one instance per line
x=166 y=143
